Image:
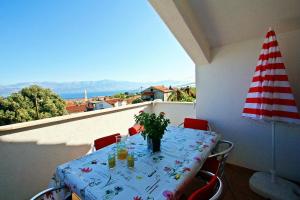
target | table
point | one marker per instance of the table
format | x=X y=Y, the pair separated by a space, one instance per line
x=160 y=175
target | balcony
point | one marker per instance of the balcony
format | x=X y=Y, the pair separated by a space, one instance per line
x=31 y=151
x=224 y=44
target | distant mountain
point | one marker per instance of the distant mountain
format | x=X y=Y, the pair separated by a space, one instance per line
x=91 y=86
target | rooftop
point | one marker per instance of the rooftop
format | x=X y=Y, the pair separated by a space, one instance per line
x=161 y=88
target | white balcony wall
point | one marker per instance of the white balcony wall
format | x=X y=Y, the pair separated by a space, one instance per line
x=175 y=111
x=29 y=156
x=222 y=87
x=30 y=152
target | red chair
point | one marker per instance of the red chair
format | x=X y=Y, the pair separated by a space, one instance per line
x=135 y=129
x=199 y=124
x=211 y=191
x=105 y=141
x=48 y=192
x=215 y=163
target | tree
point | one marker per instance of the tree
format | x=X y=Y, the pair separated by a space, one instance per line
x=120 y=96
x=123 y=96
x=138 y=100
x=30 y=103
x=191 y=91
x=183 y=95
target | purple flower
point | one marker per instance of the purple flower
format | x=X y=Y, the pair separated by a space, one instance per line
x=197 y=159
x=168 y=194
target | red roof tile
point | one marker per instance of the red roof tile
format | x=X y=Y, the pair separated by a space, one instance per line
x=76 y=108
x=161 y=88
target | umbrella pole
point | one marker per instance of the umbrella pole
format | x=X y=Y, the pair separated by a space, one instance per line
x=273 y=153
x=271 y=186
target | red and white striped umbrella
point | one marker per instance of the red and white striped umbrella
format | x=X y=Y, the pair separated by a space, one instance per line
x=270 y=95
x=270 y=98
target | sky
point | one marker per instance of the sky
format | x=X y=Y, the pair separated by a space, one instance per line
x=87 y=40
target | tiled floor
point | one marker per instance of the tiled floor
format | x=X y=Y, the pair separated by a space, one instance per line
x=236 y=184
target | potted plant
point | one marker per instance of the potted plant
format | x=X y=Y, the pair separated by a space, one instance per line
x=154 y=128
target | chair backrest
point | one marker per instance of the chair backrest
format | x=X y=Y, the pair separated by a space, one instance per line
x=53 y=192
x=212 y=165
x=199 y=124
x=135 y=129
x=220 y=153
x=105 y=141
x=211 y=191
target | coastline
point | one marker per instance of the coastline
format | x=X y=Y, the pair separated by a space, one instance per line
x=80 y=95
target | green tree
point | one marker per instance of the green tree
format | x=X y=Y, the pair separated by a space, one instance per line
x=138 y=100
x=120 y=96
x=182 y=95
x=191 y=91
x=123 y=96
x=30 y=103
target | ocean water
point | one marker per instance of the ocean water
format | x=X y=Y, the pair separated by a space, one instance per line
x=80 y=95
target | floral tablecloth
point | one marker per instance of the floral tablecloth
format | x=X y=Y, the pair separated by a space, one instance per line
x=160 y=175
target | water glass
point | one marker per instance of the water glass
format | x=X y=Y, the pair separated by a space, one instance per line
x=111 y=160
x=130 y=160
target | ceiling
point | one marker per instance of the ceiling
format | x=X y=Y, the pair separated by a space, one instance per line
x=228 y=21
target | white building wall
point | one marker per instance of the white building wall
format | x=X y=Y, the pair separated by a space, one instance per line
x=222 y=86
x=175 y=111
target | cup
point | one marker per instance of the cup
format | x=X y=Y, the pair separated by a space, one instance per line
x=111 y=159
x=130 y=160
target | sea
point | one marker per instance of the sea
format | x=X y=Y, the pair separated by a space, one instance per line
x=80 y=95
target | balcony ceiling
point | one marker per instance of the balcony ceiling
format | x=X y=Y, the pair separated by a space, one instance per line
x=229 y=21
x=201 y=25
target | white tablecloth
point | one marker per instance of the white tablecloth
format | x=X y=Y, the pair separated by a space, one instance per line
x=183 y=152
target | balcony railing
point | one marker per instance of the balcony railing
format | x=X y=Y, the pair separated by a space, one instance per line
x=31 y=151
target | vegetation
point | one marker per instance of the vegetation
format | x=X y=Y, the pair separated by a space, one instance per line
x=121 y=96
x=186 y=94
x=138 y=100
x=154 y=125
x=30 y=103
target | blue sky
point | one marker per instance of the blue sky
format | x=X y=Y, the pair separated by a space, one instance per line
x=74 y=40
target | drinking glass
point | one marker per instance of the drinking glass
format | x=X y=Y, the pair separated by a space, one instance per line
x=111 y=160
x=130 y=160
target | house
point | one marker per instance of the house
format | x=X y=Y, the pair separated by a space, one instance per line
x=156 y=92
x=115 y=102
x=97 y=105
